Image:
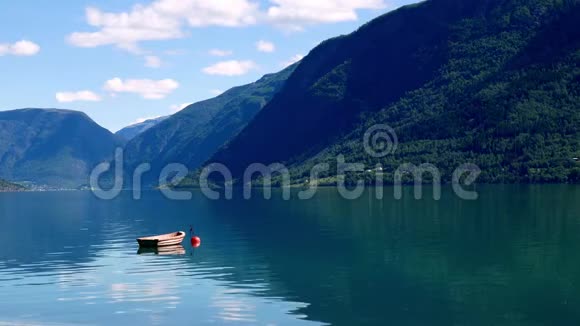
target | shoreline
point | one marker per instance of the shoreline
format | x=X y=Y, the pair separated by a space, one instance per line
x=292 y=187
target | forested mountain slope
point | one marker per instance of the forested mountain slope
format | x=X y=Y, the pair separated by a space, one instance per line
x=52 y=147
x=490 y=82
x=192 y=135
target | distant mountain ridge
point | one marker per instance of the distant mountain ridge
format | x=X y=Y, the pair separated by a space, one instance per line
x=132 y=131
x=52 y=147
x=193 y=134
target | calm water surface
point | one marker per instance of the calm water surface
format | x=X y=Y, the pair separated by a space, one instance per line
x=510 y=258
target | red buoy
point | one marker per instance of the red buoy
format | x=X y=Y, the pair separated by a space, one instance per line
x=195 y=242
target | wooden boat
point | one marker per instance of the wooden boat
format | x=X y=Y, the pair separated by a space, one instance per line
x=164 y=240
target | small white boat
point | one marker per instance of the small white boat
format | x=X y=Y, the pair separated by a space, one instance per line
x=164 y=240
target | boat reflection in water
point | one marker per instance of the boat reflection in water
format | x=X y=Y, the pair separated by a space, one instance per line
x=163 y=251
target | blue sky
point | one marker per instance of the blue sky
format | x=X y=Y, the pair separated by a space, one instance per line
x=122 y=61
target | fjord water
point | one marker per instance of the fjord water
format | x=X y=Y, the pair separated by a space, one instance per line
x=509 y=258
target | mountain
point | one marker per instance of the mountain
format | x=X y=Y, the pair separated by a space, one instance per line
x=7 y=186
x=134 y=130
x=193 y=134
x=51 y=147
x=490 y=82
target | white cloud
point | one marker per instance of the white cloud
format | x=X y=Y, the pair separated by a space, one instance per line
x=265 y=46
x=169 y=19
x=152 y=61
x=147 y=88
x=125 y=30
x=216 y=92
x=20 y=48
x=67 y=97
x=178 y=107
x=230 y=68
x=292 y=60
x=161 y=20
x=220 y=53
x=295 y=14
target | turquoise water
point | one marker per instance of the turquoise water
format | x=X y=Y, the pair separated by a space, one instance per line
x=510 y=258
